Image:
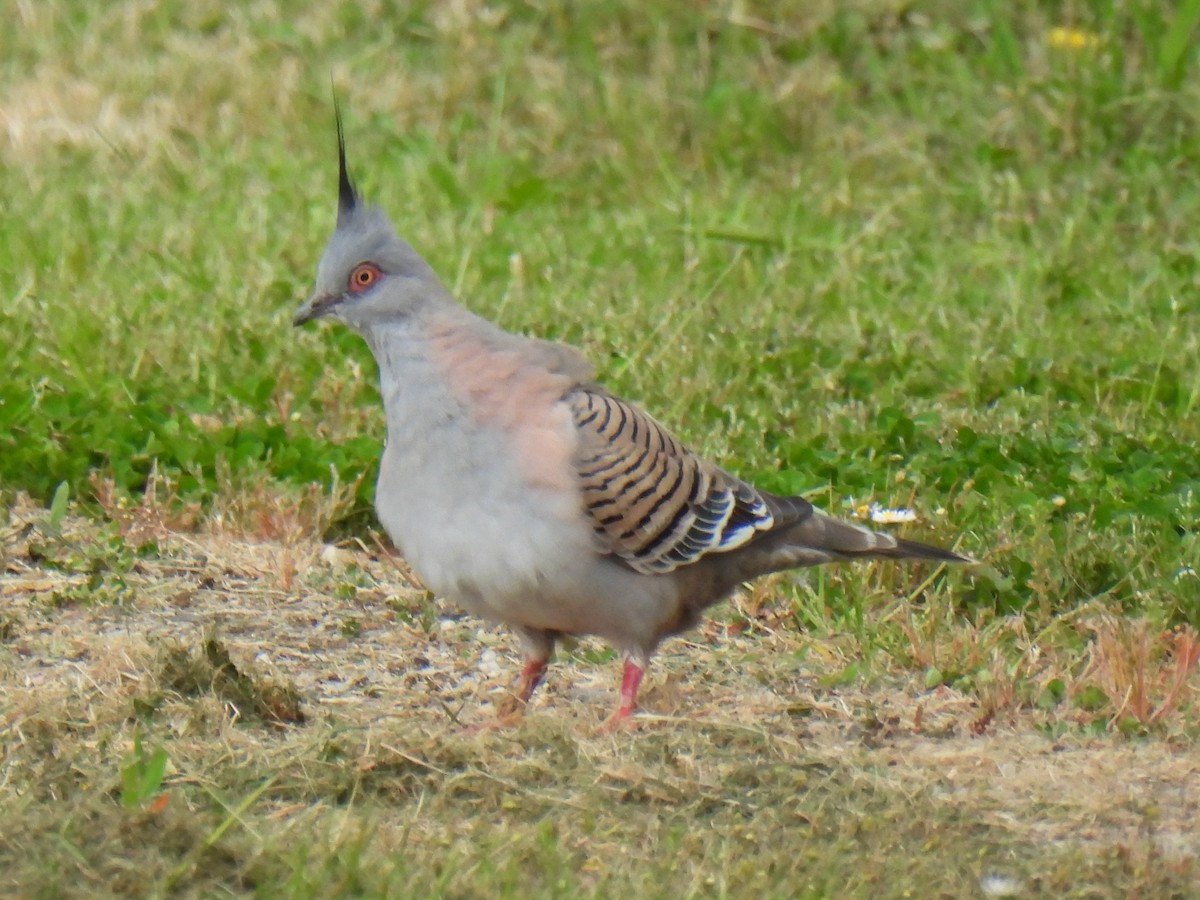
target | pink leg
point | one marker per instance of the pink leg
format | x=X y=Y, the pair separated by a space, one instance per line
x=531 y=676
x=631 y=679
x=512 y=706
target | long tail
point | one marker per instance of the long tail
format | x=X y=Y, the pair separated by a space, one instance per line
x=818 y=538
x=917 y=550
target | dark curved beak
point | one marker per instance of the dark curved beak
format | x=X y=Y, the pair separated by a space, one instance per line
x=315 y=307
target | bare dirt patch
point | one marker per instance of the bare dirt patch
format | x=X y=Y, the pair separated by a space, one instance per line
x=738 y=731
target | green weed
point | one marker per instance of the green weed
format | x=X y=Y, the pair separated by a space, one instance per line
x=940 y=256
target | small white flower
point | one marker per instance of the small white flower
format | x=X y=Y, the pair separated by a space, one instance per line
x=885 y=516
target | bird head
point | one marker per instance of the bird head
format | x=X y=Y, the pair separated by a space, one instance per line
x=368 y=274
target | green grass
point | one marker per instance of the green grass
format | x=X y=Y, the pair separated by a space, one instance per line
x=829 y=247
x=921 y=255
x=210 y=733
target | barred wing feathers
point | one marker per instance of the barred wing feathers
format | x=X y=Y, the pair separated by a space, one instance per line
x=652 y=501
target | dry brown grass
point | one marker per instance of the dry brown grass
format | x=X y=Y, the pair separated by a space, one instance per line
x=898 y=216
x=312 y=710
x=1145 y=674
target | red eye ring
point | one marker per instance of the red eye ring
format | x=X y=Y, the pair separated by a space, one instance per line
x=364 y=276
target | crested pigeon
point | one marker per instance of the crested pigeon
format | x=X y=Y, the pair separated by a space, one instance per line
x=517 y=486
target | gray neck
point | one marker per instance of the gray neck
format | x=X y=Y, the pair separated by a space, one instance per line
x=408 y=378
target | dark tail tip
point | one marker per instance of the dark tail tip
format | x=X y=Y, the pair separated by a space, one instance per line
x=917 y=550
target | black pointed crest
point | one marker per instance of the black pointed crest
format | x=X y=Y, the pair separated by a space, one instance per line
x=347 y=199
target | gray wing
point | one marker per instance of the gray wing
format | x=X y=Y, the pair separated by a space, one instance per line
x=653 y=502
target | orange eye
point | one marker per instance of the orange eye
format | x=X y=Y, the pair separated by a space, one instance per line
x=364 y=276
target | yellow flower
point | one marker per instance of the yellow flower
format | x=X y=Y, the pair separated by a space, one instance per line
x=1071 y=39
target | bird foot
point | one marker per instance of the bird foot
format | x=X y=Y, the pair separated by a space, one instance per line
x=631 y=679
x=511 y=709
x=621 y=720
x=511 y=706
x=531 y=676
